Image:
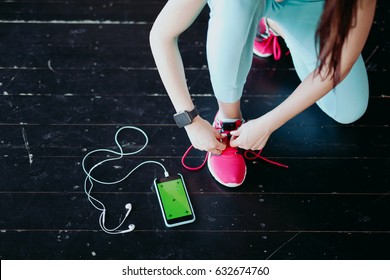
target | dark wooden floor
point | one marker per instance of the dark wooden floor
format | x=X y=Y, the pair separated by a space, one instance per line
x=73 y=72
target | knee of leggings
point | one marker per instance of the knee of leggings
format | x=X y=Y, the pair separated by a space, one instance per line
x=350 y=117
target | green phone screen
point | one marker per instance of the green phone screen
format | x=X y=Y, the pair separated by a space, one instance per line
x=174 y=199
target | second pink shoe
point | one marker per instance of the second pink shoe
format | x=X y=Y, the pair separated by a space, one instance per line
x=266 y=42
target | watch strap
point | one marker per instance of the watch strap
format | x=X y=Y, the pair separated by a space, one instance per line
x=193 y=114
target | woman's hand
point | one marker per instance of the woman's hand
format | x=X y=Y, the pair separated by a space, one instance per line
x=204 y=136
x=252 y=135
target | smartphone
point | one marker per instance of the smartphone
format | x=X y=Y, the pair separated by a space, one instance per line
x=174 y=201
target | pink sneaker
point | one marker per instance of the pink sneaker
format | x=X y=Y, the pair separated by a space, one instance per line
x=266 y=42
x=228 y=168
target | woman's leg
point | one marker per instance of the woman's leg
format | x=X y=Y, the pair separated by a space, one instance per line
x=231 y=31
x=229 y=110
x=348 y=101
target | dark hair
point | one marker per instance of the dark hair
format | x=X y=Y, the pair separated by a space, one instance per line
x=338 y=17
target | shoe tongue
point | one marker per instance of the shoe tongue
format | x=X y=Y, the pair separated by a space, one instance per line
x=228 y=125
x=225 y=126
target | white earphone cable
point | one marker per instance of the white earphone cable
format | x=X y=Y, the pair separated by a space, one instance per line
x=91 y=179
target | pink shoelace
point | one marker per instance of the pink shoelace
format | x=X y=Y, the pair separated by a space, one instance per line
x=256 y=155
x=270 y=37
x=276 y=49
x=196 y=168
x=248 y=154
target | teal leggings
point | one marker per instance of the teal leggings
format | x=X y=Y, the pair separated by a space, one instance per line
x=231 y=32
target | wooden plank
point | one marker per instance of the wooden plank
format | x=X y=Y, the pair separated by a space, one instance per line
x=84 y=34
x=44 y=40
x=127 y=45
x=117 y=82
x=220 y=211
x=130 y=82
x=133 y=82
x=176 y=244
x=151 y=109
x=289 y=141
x=305 y=175
x=81 y=10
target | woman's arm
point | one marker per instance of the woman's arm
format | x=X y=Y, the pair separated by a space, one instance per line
x=175 y=18
x=254 y=134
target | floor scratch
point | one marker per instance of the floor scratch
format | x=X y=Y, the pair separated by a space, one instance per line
x=27 y=145
x=281 y=246
x=371 y=55
x=10 y=81
x=50 y=67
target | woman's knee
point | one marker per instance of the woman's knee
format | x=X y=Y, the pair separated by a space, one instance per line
x=352 y=113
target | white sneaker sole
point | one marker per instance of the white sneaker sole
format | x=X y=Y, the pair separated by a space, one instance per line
x=260 y=54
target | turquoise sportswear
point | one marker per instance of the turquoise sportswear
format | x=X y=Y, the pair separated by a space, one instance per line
x=232 y=30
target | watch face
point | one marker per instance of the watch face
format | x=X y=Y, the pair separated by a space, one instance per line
x=182 y=119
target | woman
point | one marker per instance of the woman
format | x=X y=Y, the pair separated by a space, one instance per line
x=325 y=39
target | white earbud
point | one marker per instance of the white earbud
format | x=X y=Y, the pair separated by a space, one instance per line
x=128 y=207
x=131 y=228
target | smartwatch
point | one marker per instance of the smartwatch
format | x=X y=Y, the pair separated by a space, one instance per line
x=184 y=118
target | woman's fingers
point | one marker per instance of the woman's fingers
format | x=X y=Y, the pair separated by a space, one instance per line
x=249 y=137
x=234 y=141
